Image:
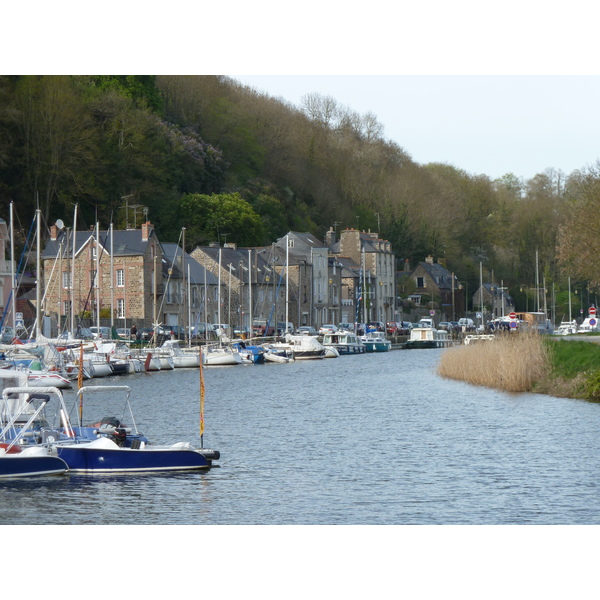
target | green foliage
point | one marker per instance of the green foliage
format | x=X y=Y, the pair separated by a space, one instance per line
x=221 y=217
x=570 y=358
x=140 y=88
x=592 y=386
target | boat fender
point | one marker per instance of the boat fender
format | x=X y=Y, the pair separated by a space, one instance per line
x=210 y=454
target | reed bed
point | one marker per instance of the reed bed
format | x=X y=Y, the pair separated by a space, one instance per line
x=513 y=362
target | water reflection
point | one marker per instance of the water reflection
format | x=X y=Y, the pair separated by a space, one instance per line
x=370 y=439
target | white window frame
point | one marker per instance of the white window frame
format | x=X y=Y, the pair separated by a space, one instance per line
x=120 y=275
x=120 y=308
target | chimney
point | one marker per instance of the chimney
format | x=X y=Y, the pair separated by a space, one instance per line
x=429 y=260
x=406 y=266
x=230 y=245
x=330 y=238
x=147 y=229
x=53 y=232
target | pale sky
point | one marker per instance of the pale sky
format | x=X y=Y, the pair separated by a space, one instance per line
x=488 y=125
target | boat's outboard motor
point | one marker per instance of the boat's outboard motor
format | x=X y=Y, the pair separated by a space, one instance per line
x=119 y=435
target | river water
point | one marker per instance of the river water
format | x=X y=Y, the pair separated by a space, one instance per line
x=376 y=439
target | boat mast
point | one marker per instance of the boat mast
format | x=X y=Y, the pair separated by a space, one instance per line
x=250 y=291
x=219 y=298
x=364 y=294
x=287 y=276
x=38 y=287
x=12 y=270
x=205 y=306
x=569 y=299
x=97 y=278
x=112 y=282
x=189 y=305
x=72 y=285
x=537 y=281
x=183 y=283
x=481 y=290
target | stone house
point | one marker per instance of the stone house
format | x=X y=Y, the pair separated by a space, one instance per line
x=315 y=264
x=496 y=302
x=190 y=290
x=377 y=266
x=437 y=287
x=247 y=284
x=119 y=274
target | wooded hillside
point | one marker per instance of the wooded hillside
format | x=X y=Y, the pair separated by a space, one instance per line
x=230 y=163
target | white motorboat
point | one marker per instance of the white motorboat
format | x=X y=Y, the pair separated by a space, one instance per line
x=375 y=341
x=425 y=335
x=345 y=342
x=567 y=328
x=303 y=347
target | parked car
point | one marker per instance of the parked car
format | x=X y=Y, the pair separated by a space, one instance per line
x=392 y=328
x=445 y=325
x=147 y=332
x=124 y=333
x=174 y=331
x=260 y=329
x=222 y=329
x=83 y=333
x=375 y=326
x=327 y=328
x=203 y=330
x=100 y=332
x=466 y=324
x=346 y=326
x=405 y=327
x=306 y=330
x=282 y=329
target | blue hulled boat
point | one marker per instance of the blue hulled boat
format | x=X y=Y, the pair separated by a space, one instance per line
x=29 y=462
x=21 y=415
x=106 y=446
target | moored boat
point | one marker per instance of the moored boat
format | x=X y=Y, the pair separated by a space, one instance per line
x=345 y=342
x=375 y=341
x=18 y=416
x=425 y=335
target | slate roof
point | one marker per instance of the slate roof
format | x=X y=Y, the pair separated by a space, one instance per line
x=125 y=243
x=440 y=275
x=172 y=253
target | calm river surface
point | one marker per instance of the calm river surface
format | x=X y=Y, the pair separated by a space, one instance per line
x=369 y=439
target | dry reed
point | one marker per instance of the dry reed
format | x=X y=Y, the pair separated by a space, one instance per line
x=513 y=362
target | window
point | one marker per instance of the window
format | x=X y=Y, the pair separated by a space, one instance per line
x=67 y=308
x=120 y=278
x=93 y=279
x=66 y=278
x=120 y=308
x=420 y=282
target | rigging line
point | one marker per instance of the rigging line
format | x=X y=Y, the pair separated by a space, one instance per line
x=18 y=278
x=171 y=269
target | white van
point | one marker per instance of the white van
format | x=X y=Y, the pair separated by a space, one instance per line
x=466 y=324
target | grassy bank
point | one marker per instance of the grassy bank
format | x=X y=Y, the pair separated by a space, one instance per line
x=528 y=363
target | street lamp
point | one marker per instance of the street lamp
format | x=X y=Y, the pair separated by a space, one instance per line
x=466 y=288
